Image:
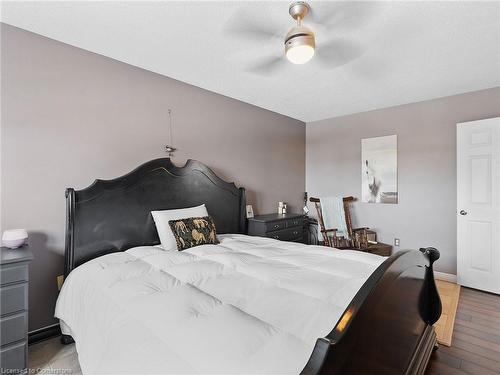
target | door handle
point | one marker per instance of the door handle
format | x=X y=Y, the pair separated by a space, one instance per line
x=463 y=212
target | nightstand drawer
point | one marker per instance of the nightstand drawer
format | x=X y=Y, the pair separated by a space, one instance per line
x=298 y=222
x=14 y=273
x=13 y=328
x=275 y=225
x=290 y=234
x=14 y=298
x=13 y=357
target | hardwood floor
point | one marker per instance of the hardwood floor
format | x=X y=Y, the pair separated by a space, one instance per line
x=476 y=338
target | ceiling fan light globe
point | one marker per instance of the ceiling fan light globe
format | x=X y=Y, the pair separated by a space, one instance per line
x=299 y=45
x=300 y=54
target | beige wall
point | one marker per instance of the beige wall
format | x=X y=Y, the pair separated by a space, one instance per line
x=70 y=116
x=425 y=215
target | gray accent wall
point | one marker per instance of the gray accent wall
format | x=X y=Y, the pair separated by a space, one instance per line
x=426 y=213
x=70 y=116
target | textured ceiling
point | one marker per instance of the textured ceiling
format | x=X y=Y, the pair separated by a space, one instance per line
x=412 y=51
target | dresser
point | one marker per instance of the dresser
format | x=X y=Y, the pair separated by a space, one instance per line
x=284 y=227
x=14 y=308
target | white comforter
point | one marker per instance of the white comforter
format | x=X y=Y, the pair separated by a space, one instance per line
x=250 y=305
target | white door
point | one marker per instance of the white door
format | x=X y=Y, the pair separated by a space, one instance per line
x=478 y=204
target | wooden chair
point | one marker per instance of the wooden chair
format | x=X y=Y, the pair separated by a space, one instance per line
x=358 y=237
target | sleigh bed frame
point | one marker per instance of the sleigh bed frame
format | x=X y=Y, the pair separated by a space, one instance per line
x=387 y=327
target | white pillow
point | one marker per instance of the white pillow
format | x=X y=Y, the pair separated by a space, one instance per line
x=162 y=218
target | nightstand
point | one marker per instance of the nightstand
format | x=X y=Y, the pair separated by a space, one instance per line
x=14 y=308
x=285 y=227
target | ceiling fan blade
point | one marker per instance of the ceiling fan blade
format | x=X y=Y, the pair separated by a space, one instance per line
x=338 y=52
x=242 y=24
x=344 y=15
x=268 y=66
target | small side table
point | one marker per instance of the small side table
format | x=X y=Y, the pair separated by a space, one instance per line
x=14 y=309
x=380 y=248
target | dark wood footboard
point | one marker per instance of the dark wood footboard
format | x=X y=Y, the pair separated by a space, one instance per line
x=387 y=328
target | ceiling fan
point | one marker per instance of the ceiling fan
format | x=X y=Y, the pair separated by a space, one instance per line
x=300 y=45
x=299 y=41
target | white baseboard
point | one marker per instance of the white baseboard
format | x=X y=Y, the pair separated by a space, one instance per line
x=445 y=276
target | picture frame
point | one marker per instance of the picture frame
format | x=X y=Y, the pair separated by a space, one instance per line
x=379 y=169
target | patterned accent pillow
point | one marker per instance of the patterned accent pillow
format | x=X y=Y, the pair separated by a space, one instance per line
x=193 y=231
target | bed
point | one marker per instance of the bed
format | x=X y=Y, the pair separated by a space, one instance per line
x=247 y=305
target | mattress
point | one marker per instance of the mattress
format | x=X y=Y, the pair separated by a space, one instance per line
x=249 y=305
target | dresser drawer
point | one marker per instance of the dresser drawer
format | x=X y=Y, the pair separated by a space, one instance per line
x=14 y=298
x=284 y=227
x=13 y=328
x=290 y=234
x=14 y=273
x=297 y=222
x=13 y=357
x=275 y=225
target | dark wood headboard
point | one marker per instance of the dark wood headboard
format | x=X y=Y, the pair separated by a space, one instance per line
x=115 y=215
